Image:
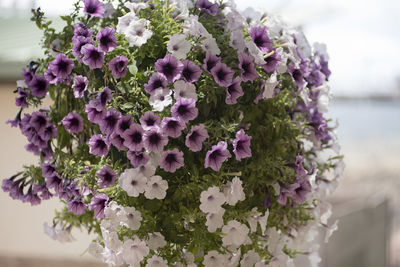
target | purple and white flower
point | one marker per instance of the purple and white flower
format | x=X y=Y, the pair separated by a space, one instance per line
x=184 y=89
x=149 y=120
x=178 y=46
x=155 y=140
x=133 y=182
x=134 y=137
x=211 y=200
x=190 y=72
x=160 y=99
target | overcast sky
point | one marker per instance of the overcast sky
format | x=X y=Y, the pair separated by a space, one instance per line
x=363 y=37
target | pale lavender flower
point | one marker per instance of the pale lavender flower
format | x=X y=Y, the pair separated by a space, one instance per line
x=217 y=155
x=246 y=67
x=185 y=109
x=149 y=119
x=241 y=145
x=94 y=8
x=223 y=75
x=61 y=66
x=109 y=122
x=234 y=91
x=260 y=38
x=207 y=6
x=134 y=137
x=73 y=123
x=39 y=86
x=106 y=177
x=171 y=160
x=137 y=158
x=195 y=138
x=169 y=67
x=92 y=56
x=80 y=85
x=97 y=204
x=190 y=72
x=156 y=82
x=210 y=61
x=99 y=146
x=172 y=127
x=106 y=39
x=118 y=66
x=155 y=140
x=160 y=99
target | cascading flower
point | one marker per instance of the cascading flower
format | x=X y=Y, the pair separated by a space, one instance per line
x=134 y=137
x=172 y=127
x=73 y=123
x=223 y=75
x=155 y=140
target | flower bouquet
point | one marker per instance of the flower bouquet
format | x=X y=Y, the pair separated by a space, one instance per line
x=181 y=133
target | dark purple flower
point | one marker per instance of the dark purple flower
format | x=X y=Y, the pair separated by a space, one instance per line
x=47 y=153
x=273 y=62
x=106 y=177
x=246 y=67
x=43 y=190
x=73 y=123
x=98 y=203
x=137 y=158
x=32 y=148
x=61 y=66
x=298 y=75
x=48 y=169
x=48 y=132
x=172 y=127
x=118 y=66
x=81 y=30
x=207 y=6
x=54 y=181
x=98 y=145
x=38 y=120
x=94 y=114
x=210 y=61
x=171 y=160
x=76 y=206
x=315 y=78
x=20 y=101
x=109 y=122
x=241 y=145
x=79 y=42
x=260 y=38
x=124 y=124
x=223 y=75
x=169 y=67
x=50 y=77
x=92 y=56
x=149 y=119
x=190 y=72
x=155 y=140
x=134 y=137
x=94 y=8
x=184 y=109
x=234 y=91
x=156 y=81
x=103 y=97
x=117 y=140
x=106 y=39
x=28 y=75
x=267 y=199
x=195 y=138
x=80 y=85
x=39 y=86
x=38 y=141
x=217 y=155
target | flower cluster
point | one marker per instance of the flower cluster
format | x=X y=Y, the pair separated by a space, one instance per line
x=181 y=133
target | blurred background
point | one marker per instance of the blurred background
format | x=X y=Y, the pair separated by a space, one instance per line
x=363 y=39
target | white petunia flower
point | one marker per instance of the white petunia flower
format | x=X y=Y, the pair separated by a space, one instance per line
x=210 y=44
x=156 y=240
x=232 y=260
x=136 y=7
x=303 y=45
x=138 y=32
x=109 y=10
x=125 y=21
x=156 y=261
x=178 y=46
x=55 y=47
x=113 y=213
x=214 y=259
x=235 y=20
x=112 y=257
x=261 y=264
x=269 y=86
x=331 y=229
x=255 y=219
x=133 y=182
x=156 y=188
x=250 y=258
x=59 y=233
x=111 y=240
x=148 y=169
x=233 y=191
x=235 y=233
x=237 y=40
x=211 y=200
x=215 y=220
x=160 y=99
x=95 y=249
x=131 y=218
x=193 y=27
x=155 y=159
x=255 y=52
x=134 y=250
x=184 y=89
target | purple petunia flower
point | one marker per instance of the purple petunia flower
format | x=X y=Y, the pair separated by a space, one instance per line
x=53 y=181
x=155 y=140
x=134 y=137
x=39 y=86
x=47 y=153
x=156 y=81
x=324 y=66
x=246 y=67
x=117 y=140
x=28 y=75
x=79 y=42
x=99 y=146
x=190 y=72
x=32 y=148
x=97 y=204
x=109 y=122
x=106 y=39
x=137 y=158
x=149 y=120
x=20 y=101
x=260 y=38
x=273 y=62
x=207 y=6
x=92 y=56
x=124 y=124
x=222 y=74
x=48 y=132
x=76 y=206
x=171 y=160
x=103 y=97
x=61 y=66
x=241 y=145
x=73 y=123
x=299 y=193
x=184 y=109
x=210 y=61
x=81 y=30
x=106 y=176
x=216 y=156
x=169 y=67
x=80 y=86
x=118 y=66
x=50 y=77
x=234 y=91
x=172 y=127
x=195 y=138
x=48 y=169
x=297 y=76
x=94 y=114
x=38 y=120
x=94 y=8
